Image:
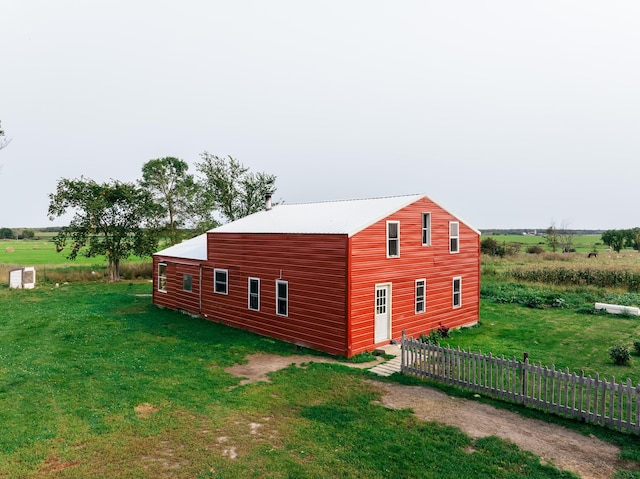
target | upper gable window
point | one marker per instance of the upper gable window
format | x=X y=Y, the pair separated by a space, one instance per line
x=426 y=229
x=393 y=239
x=454 y=237
x=220 y=281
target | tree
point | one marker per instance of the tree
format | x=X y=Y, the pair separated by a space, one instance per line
x=228 y=187
x=171 y=186
x=28 y=234
x=6 y=233
x=634 y=238
x=615 y=239
x=3 y=140
x=552 y=237
x=565 y=237
x=113 y=219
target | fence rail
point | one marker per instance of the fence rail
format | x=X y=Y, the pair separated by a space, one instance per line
x=592 y=400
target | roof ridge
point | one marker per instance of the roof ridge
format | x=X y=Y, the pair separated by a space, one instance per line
x=347 y=200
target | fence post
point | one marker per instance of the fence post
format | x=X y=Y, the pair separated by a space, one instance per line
x=525 y=376
x=402 y=352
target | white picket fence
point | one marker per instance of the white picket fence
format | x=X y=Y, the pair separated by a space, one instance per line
x=592 y=400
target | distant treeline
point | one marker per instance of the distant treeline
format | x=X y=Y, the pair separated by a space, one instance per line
x=27 y=233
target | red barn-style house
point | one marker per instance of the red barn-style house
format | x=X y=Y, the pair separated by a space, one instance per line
x=342 y=277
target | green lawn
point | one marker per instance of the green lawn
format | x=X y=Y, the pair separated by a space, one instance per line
x=77 y=361
x=551 y=336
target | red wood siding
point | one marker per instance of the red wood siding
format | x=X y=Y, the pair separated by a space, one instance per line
x=314 y=266
x=176 y=297
x=370 y=266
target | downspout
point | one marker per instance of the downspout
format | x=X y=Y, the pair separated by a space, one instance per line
x=200 y=290
x=348 y=287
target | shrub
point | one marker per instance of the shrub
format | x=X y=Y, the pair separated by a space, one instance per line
x=534 y=249
x=533 y=302
x=433 y=337
x=636 y=346
x=620 y=355
x=443 y=331
x=490 y=247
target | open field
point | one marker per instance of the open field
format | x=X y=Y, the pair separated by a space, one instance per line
x=582 y=243
x=96 y=382
x=52 y=266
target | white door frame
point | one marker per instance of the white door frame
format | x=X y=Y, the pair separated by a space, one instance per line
x=382 y=319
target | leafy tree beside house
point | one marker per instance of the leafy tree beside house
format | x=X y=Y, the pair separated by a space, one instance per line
x=229 y=189
x=174 y=189
x=114 y=219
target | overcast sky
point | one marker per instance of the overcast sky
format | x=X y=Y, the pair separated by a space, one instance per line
x=509 y=114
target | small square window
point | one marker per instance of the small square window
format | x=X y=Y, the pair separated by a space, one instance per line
x=220 y=281
x=186 y=282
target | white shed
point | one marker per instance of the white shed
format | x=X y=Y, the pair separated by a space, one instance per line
x=23 y=278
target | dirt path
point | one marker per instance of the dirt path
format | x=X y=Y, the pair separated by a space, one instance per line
x=588 y=457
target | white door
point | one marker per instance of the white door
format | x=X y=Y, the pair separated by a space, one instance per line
x=383 y=313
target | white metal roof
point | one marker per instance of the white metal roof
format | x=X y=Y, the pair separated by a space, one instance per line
x=330 y=217
x=194 y=248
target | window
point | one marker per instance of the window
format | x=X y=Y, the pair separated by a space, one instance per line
x=457 y=292
x=186 y=282
x=421 y=287
x=254 y=294
x=162 y=277
x=426 y=229
x=220 y=281
x=381 y=300
x=282 y=298
x=393 y=239
x=454 y=237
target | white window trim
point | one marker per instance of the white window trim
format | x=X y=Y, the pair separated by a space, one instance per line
x=249 y=293
x=427 y=228
x=398 y=239
x=165 y=277
x=286 y=283
x=452 y=236
x=459 y=293
x=184 y=276
x=424 y=295
x=226 y=283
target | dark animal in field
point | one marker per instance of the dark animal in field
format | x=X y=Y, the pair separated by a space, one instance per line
x=592 y=255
